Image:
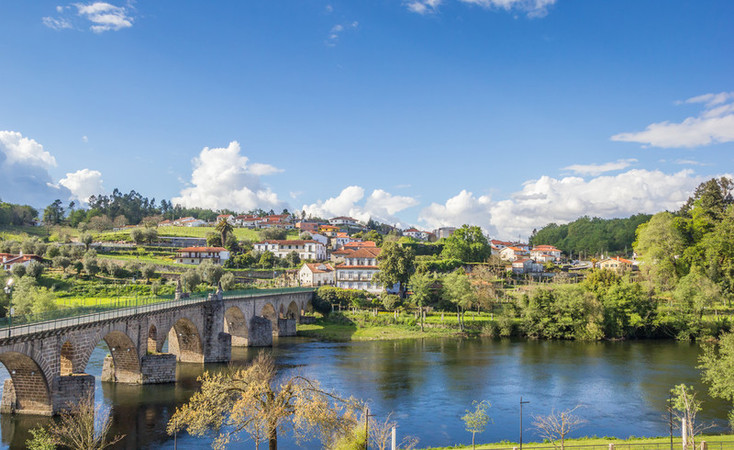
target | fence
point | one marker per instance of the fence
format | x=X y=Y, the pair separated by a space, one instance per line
x=67 y=317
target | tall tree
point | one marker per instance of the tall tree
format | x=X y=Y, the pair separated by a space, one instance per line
x=396 y=265
x=224 y=228
x=467 y=244
x=659 y=244
x=458 y=290
x=420 y=285
x=54 y=213
x=476 y=421
x=253 y=400
x=717 y=363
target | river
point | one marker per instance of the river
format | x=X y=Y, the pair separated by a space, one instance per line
x=622 y=387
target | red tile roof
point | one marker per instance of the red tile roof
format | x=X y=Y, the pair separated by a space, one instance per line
x=314 y=267
x=202 y=249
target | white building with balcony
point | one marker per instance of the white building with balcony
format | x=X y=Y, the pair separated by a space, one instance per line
x=305 y=249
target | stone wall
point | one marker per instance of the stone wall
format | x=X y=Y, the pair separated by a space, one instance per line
x=260 y=333
x=71 y=390
x=159 y=368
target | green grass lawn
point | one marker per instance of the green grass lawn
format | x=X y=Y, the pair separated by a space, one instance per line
x=242 y=234
x=632 y=443
x=143 y=259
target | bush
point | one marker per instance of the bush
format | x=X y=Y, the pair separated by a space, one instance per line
x=34 y=269
x=228 y=281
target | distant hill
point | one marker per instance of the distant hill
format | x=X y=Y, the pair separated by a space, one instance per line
x=591 y=236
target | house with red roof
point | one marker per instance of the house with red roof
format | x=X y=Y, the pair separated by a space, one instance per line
x=617 y=263
x=306 y=249
x=545 y=253
x=316 y=274
x=359 y=269
x=9 y=260
x=197 y=255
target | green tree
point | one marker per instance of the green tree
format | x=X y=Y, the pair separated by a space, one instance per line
x=34 y=269
x=18 y=270
x=29 y=298
x=695 y=292
x=228 y=281
x=458 y=290
x=659 y=244
x=292 y=259
x=137 y=235
x=91 y=266
x=40 y=440
x=210 y=272
x=267 y=260
x=717 y=363
x=86 y=239
x=224 y=228
x=254 y=400
x=190 y=279
x=148 y=271
x=468 y=244
x=54 y=213
x=685 y=406
x=475 y=421
x=420 y=285
x=396 y=265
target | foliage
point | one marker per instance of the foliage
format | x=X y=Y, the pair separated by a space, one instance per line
x=467 y=244
x=420 y=285
x=228 y=281
x=41 y=440
x=273 y=234
x=458 y=290
x=254 y=400
x=328 y=295
x=85 y=427
x=18 y=270
x=396 y=265
x=389 y=301
x=590 y=235
x=717 y=363
x=210 y=272
x=28 y=298
x=190 y=279
x=658 y=244
x=476 y=421
x=34 y=269
x=564 y=312
x=685 y=406
x=13 y=214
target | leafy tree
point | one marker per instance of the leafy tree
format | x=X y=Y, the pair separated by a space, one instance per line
x=137 y=235
x=267 y=260
x=685 y=406
x=18 y=270
x=62 y=261
x=389 y=301
x=228 y=281
x=717 y=363
x=292 y=259
x=190 y=279
x=396 y=265
x=476 y=421
x=556 y=426
x=458 y=290
x=54 y=213
x=34 y=269
x=213 y=240
x=468 y=244
x=148 y=271
x=695 y=292
x=29 y=298
x=210 y=272
x=40 y=440
x=52 y=251
x=659 y=244
x=224 y=228
x=86 y=239
x=91 y=266
x=252 y=399
x=420 y=285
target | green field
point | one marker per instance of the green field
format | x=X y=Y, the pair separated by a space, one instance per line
x=718 y=442
x=242 y=234
x=160 y=260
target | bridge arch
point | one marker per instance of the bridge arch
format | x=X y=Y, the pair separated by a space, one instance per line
x=184 y=341
x=30 y=387
x=281 y=312
x=293 y=311
x=152 y=343
x=125 y=360
x=268 y=311
x=236 y=325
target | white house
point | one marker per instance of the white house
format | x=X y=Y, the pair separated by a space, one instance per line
x=319 y=238
x=190 y=222
x=316 y=274
x=444 y=232
x=309 y=249
x=9 y=260
x=228 y=217
x=340 y=221
x=197 y=255
x=526 y=265
x=417 y=234
x=359 y=270
x=543 y=251
x=513 y=253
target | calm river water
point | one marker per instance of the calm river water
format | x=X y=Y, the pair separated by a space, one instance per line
x=427 y=384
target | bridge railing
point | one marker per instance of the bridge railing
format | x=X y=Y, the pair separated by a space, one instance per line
x=67 y=317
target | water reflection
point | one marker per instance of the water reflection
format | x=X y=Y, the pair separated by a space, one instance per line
x=429 y=383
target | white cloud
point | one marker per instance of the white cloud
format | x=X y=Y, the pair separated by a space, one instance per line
x=337 y=30
x=533 y=8
x=598 y=169
x=59 y=23
x=24 y=166
x=548 y=199
x=690 y=162
x=85 y=139
x=380 y=205
x=104 y=16
x=223 y=178
x=715 y=124
x=423 y=6
x=83 y=184
x=21 y=150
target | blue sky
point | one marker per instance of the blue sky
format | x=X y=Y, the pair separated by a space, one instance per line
x=507 y=114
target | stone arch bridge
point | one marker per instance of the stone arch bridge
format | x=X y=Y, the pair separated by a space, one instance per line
x=47 y=361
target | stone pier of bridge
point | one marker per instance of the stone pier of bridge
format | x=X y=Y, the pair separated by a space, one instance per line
x=47 y=362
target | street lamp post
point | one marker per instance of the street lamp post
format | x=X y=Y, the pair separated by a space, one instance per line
x=521 y=403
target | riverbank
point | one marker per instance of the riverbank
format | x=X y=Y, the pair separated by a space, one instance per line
x=723 y=442
x=345 y=327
